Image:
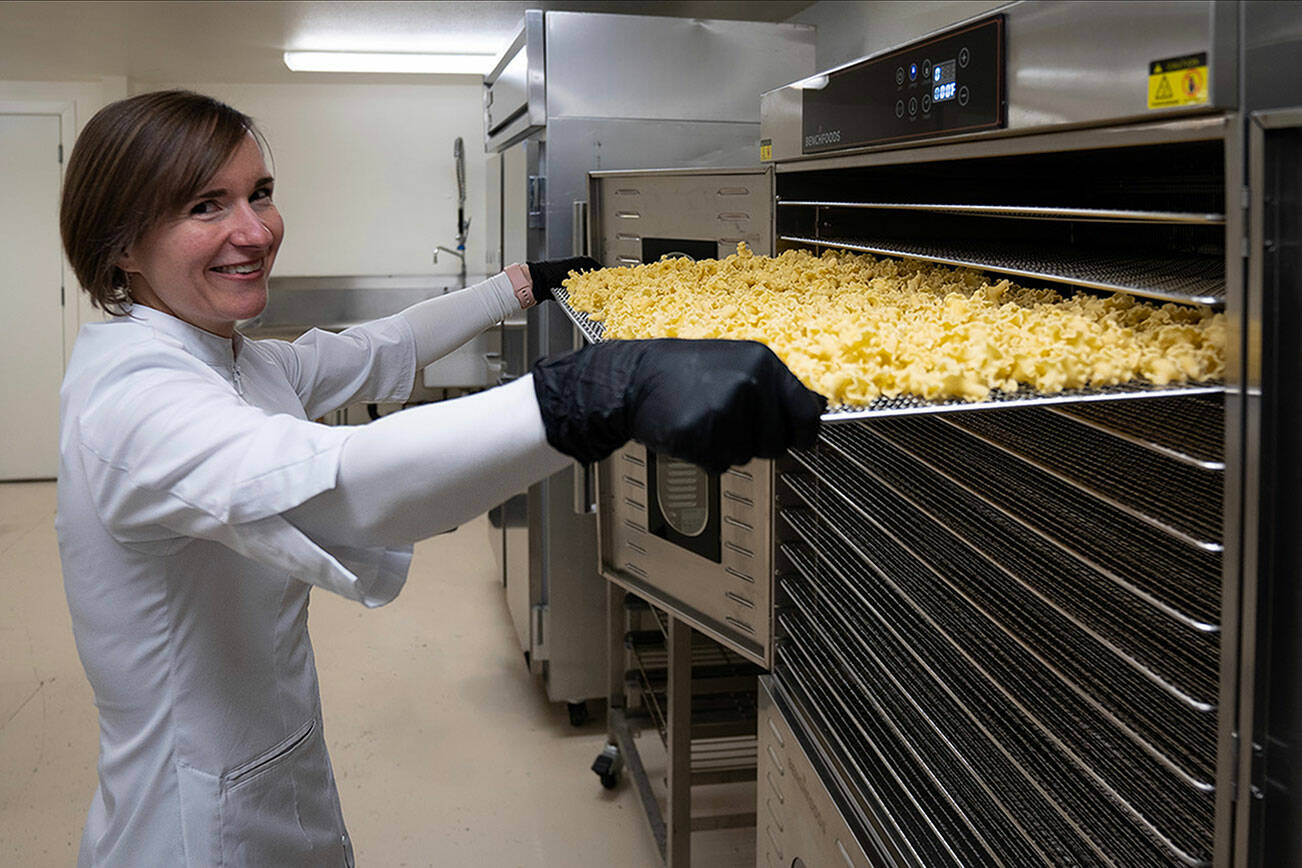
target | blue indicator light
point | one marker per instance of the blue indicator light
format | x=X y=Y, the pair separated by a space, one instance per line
x=913 y=71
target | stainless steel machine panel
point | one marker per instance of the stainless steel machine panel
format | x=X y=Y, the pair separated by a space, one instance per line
x=950 y=83
x=519 y=163
x=1070 y=64
x=514 y=99
x=577 y=146
x=493 y=213
x=1270 y=775
x=730 y=206
x=572 y=94
x=725 y=592
x=633 y=67
x=723 y=65
x=797 y=820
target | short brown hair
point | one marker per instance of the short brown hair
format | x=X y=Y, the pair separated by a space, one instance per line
x=134 y=162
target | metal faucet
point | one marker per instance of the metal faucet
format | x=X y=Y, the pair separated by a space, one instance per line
x=463 y=222
x=459 y=254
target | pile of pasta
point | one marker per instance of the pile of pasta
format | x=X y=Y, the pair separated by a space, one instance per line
x=854 y=327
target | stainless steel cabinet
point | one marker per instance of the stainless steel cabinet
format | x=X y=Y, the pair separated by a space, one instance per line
x=576 y=93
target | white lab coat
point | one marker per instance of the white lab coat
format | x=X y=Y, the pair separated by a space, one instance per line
x=188 y=590
x=197 y=506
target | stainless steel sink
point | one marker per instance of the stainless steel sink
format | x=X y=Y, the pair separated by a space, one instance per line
x=298 y=304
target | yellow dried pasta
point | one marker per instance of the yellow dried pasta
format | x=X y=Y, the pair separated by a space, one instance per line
x=854 y=327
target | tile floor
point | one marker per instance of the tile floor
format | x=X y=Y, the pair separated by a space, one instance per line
x=445 y=747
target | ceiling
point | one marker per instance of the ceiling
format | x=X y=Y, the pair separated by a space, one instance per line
x=241 y=41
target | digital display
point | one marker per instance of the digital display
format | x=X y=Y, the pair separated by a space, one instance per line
x=959 y=87
x=943 y=81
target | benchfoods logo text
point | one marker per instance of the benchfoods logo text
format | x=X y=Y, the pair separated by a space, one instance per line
x=831 y=137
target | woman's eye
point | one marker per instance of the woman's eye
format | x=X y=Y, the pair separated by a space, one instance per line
x=208 y=206
x=262 y=193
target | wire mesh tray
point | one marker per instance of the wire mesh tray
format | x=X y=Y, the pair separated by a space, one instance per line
x=911 y=405
x=1025 y=212
x=1188 y=279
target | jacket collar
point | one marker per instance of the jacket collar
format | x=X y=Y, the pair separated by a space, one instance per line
x=210 y=348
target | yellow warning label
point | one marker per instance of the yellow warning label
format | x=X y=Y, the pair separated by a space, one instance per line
x=1177 y=81
x=766 y=150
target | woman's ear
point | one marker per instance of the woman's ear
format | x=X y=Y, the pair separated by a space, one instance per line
x=127 y=261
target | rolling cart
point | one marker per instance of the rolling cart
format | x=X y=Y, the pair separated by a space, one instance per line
x=699 y=697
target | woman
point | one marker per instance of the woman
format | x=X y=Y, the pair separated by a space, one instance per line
x=198 y=504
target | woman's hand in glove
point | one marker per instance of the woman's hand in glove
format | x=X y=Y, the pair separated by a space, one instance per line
x=714 y=403
x=547 y=276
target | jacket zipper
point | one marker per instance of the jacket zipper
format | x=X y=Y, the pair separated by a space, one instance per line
x=238 y=379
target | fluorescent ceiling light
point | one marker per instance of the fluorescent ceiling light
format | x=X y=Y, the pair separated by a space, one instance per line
x=374 y=61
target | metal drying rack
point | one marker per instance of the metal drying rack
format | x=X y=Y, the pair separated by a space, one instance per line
x=910 y=405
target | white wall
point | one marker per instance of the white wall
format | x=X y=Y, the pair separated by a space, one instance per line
x=850 y=29
x=364 y=173
x=85 y=98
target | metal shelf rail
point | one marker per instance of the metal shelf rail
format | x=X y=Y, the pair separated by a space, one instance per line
x=699 y=696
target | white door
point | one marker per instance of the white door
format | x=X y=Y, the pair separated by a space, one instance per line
x=31 y=322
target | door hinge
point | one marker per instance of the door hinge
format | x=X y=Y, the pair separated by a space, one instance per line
x=1245 y=200
x=537 y=200
x=62 y=296
x=539 y=639
x=61 y=154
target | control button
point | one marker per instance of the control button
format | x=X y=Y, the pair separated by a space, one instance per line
x=962 y=95
x=926 y=103
x=913 y=105
x=963 y=57
x=926 y=69
x=899 y=75
x=913 y=72
x=899 y=108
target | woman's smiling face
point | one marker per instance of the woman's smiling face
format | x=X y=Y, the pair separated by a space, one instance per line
x=208 y=264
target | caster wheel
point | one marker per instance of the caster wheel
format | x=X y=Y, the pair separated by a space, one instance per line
x=607 y=766
x=578 y=713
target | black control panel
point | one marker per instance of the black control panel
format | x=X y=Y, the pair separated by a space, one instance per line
x=950 y=83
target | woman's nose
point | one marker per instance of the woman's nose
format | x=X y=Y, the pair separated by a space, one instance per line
x=251 y=229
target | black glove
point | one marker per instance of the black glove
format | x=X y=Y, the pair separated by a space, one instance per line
x=714 y=403
x=546 y=276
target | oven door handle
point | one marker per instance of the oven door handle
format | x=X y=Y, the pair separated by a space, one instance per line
x=585 y=489
x=579 y=228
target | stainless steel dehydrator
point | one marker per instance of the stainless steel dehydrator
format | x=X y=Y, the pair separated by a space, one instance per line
x=1039 y=629
x=1035 y=634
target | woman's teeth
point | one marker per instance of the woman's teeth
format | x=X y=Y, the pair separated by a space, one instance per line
x=247 y=268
